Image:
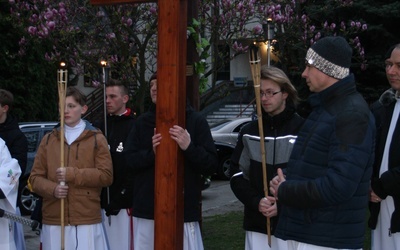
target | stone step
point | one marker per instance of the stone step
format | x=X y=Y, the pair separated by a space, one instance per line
x=234 y=109
x=223 y=115
x=233 y=112
x=229 y=111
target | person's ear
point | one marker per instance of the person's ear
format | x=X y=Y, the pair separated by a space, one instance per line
x=6 y=108
x=84 y=109
x=125 y=98
x=285 y=95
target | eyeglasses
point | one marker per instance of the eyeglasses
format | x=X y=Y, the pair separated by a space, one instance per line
x=269 y=93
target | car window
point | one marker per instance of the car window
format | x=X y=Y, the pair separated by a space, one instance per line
x=33 y=140
x=238 y=128
x=219 y=125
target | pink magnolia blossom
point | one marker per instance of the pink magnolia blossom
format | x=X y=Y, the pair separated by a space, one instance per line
x=49 y=15
x=257 y=29
x=364 y=27
x=32 y=30
x=51 y=25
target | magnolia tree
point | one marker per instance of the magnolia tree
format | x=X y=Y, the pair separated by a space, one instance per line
x=125 y=34
x=83 y=35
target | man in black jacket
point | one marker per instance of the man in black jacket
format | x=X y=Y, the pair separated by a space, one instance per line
x=116 y=200
x=200 y=157
x=18 y=146
x=385 y=183
x=280 y=126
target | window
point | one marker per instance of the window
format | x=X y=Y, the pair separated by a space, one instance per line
x=223 y=72
x=33 y=140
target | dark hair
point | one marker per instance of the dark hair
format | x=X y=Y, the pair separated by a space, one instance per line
x=279 y=77
x=153 y=76
x=6 y=98
x=122 y=86
x=390 y=50
x=78 y=96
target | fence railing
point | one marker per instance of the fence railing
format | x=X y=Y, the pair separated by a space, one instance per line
x=95 y=103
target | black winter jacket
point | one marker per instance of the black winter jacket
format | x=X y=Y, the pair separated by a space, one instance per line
x=280 y=132
x=15 y=140
x=199 y=158
x=389 y=182
x=324 y=199
x=120 y=191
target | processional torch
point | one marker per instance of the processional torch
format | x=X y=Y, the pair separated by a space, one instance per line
x=104 y=79
x=255 y=65
x=62 y=78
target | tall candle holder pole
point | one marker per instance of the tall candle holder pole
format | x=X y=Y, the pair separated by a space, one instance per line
x=62 y=78
x=105 y=69
x=255 y=65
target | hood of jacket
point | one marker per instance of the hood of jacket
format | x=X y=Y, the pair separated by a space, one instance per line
x=10 y=123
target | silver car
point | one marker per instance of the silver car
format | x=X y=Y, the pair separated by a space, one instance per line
x=225 y=135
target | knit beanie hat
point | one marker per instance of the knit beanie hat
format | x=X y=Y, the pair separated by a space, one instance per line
x=331 y=55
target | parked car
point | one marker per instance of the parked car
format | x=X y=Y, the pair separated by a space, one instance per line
x=34 y=132
x=225 y=135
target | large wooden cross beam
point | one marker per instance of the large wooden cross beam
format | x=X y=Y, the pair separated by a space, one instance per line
x=171 y=103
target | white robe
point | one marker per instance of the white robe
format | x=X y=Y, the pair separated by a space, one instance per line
x=255 y=241
x=9 y=174
x=120 y=232
x=143 y=235
x=80 y=237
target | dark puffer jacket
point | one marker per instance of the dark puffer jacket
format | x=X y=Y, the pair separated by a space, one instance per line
x=389 y=182
x=280 y=132
x=325 y=196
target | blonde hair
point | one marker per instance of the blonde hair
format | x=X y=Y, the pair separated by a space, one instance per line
x=279 y=77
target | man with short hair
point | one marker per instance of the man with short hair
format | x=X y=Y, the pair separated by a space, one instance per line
x=385 y=184
x=17 y=145
x=323 y=196
x=116 y=200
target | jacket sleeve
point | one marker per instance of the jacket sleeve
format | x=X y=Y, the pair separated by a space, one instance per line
x=41 y=185
x=244 y=192
x=237 y=152
x=388 y=183
x=139 y=155
x=201 y=153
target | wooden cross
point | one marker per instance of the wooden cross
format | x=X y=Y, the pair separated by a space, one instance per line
x=171 y=104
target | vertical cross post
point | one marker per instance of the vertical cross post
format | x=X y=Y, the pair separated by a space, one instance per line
x=171 y=103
